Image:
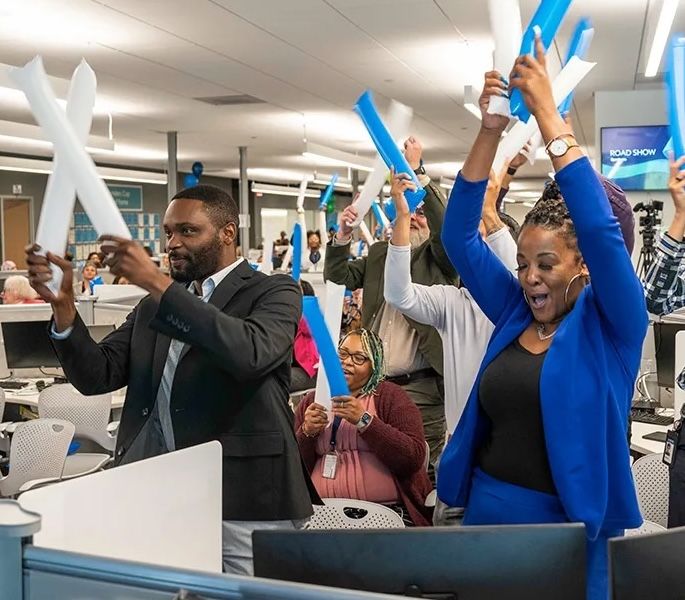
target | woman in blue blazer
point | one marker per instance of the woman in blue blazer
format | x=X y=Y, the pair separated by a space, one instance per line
x=543 y=436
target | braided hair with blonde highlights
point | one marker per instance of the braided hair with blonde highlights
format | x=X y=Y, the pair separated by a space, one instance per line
x=373 y=347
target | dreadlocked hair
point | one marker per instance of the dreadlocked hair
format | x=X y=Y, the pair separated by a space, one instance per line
x=551 y=213
x=373 y=347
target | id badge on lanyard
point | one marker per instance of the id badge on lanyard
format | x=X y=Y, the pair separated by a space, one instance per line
x=672 y=438
x=329 y=466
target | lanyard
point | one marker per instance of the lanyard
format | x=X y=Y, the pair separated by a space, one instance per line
x=334 y=431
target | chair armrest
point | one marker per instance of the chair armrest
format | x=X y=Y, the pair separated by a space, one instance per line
x=12 y=427
x=36 y=483
x=113 y=427
x=4 y=426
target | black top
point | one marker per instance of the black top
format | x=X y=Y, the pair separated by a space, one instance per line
x=509 y=394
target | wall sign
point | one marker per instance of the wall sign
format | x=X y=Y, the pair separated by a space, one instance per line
x=127 y=197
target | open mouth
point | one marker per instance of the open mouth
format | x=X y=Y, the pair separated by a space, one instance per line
x=538 y=301
x=347 y=372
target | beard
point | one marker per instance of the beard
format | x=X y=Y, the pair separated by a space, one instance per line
x=417 y=237
x=198 y=264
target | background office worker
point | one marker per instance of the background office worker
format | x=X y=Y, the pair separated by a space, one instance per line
x=205 y=361
x=413 y=351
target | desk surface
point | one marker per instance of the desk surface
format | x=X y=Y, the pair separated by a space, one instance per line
x=643 y=446
x=28 y=396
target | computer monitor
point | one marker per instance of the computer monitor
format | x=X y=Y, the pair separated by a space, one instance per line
x=28 y=345
x=648 y=566
x=464 y=563
x=664 y=350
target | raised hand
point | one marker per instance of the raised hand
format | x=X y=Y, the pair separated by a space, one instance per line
x=494 y=86
x=676 y=183
x=529 y=76
x=349 y=215
x=412 y=152
x=40 y=273
x=401 y=182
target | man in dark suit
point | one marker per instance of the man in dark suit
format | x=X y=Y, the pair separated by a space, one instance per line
x=206 y=356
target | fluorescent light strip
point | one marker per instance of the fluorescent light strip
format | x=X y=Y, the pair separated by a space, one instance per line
x=473 y=109
x=282 y=190
x=343 y=185
x=20 y=165
x=663 y=28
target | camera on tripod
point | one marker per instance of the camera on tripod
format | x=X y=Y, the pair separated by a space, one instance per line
x=652 y=218
x=649 y=223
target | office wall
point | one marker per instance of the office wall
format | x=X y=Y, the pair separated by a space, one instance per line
x=154 y=196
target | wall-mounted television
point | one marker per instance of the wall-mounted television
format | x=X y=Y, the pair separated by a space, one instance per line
x=636 y=158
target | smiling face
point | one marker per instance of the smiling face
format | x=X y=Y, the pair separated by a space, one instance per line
x=419 y=231
x=547 y=262
x=197 y=247
x=356 y=363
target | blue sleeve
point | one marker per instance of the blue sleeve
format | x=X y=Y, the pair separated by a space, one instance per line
x=483 y=274
x=615 y=285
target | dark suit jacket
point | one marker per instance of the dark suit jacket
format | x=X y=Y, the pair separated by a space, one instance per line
x=429 y=265
x=231 y=384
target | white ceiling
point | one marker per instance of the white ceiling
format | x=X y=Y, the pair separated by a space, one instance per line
x=308 y=59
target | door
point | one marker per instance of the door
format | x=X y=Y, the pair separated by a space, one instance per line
x=17 y=228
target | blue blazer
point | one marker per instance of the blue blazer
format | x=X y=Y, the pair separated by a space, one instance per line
x=587 y=377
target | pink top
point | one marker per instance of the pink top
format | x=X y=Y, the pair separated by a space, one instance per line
x=359 y=473
x=304 y=349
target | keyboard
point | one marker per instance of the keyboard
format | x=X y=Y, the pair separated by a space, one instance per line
x=643 y=416
x=13 y=384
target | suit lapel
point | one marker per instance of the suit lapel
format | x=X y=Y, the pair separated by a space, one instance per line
x=223 y=294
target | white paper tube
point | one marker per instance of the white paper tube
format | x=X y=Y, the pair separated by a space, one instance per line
x=92 y=191
x=335 y=296
x=266 y=266
x=505 y=23
x=287 y=257
x=60 y=194
x=398 y=122
x=364 y=229
x=564 y=83
x=533 y=145
x=323 y=230
x=300 y=197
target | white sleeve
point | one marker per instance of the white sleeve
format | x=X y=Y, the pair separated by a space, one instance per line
x=425 y=304
x=503 y=245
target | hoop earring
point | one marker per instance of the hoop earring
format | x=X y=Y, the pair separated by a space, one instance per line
x=525 y=296
x=568 y=287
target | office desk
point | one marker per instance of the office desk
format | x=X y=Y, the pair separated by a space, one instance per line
x=28 y=396
x=640 y=445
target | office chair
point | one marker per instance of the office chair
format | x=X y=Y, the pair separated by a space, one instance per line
x=37 y=454
x=346 y=513
x=90 y=416
x=651 y=483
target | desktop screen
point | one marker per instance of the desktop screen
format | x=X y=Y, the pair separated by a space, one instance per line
x=636 y=158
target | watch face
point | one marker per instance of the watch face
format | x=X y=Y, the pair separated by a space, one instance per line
x=558 y=148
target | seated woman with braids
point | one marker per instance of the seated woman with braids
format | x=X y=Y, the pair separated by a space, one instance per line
x=542 y=436
x=374 y=449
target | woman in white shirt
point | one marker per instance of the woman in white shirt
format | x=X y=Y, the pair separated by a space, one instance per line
x=464 y=329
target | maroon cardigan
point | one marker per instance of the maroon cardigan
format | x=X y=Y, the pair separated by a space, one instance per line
x=396 y=436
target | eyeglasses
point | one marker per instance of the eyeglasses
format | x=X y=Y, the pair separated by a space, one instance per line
x=357 y=358
x=419 y=212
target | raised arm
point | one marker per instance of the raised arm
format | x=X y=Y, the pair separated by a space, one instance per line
x=425 y=304
x=483 y=274
x=664 y=284
x=617 y=289
x=338 y=267
x=433 y=207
